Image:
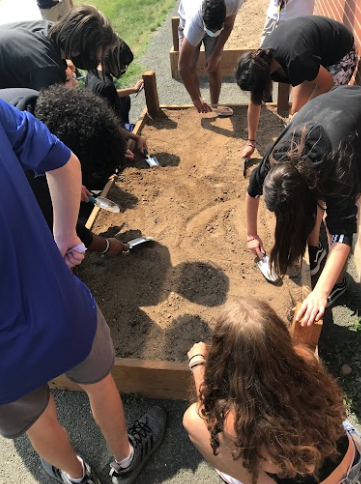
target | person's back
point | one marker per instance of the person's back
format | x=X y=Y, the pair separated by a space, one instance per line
x=266 y=408
x=28 y=58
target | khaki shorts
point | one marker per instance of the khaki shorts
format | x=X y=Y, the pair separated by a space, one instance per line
x=209 y=44
x=55 y=13
x=17 y=417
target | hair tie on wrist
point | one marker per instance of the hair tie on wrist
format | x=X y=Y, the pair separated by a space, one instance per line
x=197 y=364
x=250 y=144
x=249 y=239
x=191 y=358
x=106 y=248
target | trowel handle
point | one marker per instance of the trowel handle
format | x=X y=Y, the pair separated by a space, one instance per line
x=145 y=151
x=92 y=199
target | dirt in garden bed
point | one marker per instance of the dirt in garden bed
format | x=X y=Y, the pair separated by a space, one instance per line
x=163 y=297
x=249 y=25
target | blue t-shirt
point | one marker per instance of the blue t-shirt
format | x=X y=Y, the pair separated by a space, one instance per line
x=47 y=316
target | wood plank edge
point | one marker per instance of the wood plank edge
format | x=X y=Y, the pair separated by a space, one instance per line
x=91 y=220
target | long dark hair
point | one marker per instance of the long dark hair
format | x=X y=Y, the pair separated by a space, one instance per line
x=293 y=188
x=84 y=30
x=284 y=405
x=117 y=59
x=253 y=73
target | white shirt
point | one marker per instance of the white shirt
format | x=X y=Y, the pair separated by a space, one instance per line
x=190 y=13
x=292 y=9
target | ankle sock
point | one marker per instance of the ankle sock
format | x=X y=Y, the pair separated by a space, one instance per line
x=80 y=479
x=128 y=460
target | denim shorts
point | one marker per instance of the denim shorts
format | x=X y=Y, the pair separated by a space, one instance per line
x=353 y=474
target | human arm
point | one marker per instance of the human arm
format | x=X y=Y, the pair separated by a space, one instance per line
x=254 y=243
x=313 y=307
x=130 y=90
x=187 y=71
x=100 y=244
x=307 y=90
x=140 y=141
x=214 y=59
x=196 y=356
x=65 y=188
x=253 y=115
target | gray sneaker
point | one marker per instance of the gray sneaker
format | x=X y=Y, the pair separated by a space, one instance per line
x=145 y=436
x=61 y=476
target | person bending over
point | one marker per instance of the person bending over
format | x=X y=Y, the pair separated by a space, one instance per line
x=210 y=22
x=50 y=323
x=313 y=54
x=88 y=126
x=33 y=53
x=116 y=62
x=315 y=162
x=267 y=411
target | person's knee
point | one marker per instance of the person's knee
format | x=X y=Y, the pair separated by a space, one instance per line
x=99 y=388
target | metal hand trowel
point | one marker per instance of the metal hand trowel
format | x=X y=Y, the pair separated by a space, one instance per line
x=105 y=204
x=267 y=270
x=151 y=160
x=138 y=241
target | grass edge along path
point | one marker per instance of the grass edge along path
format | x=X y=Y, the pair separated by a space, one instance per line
x=134 y=21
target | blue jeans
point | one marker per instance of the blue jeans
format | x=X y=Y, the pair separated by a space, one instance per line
x=354 y=473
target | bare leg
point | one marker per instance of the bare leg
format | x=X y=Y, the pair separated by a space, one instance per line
x=108 y=412
x=215 y=83
x=300 y=95
x=200 y=437
x=52 y=443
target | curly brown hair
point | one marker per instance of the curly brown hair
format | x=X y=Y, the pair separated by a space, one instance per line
x=286 y=407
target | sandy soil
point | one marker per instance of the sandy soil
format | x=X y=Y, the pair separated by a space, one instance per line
x=163 y=297
x=249 y=25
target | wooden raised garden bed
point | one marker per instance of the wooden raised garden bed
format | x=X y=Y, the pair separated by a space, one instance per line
x=164 y=297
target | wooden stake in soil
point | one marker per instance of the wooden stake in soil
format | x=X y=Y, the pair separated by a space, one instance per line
x=151 y=92
x=306 y=335
x=175 y=25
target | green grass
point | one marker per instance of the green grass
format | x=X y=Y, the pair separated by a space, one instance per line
x=134 y=20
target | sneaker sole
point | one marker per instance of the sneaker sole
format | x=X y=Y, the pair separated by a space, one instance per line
x=338 y=294
x=315 y=270
x=136 y=474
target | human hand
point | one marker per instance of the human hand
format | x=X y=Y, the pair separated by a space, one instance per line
x=138 y=85
x=201 y=105
x=129 y=155
x=72 y=258
x=248 y=151
x=85 y=194
x=212 y=63
x=312 y=308
x=116 y=247
x=197 y=349
x=141 y=144
x=255 y=245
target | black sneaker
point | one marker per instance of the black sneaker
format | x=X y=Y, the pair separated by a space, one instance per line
x=145 y=436
x=337 y=291
x=61 y=476
x=317 y=254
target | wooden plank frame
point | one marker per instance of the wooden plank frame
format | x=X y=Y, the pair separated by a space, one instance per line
x=168 y=379
x=228 y=63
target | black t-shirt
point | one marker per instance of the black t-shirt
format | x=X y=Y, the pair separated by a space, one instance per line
x=28 y=58
x=105 y=88
x=303 y=44
x=327 y=120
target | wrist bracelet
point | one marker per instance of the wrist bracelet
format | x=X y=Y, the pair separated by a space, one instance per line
x=249 y=239
x=106 y=248
x=254 y=140
x=191 y=358
x=197 y=364
x=250 y=144
x=201 y=360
